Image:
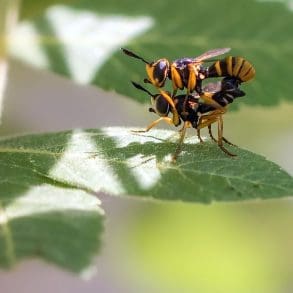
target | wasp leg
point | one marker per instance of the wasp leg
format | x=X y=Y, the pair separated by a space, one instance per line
x=220 y=137
x=198 y=135
x=181 y=139
x=168 y=120
x=228 y=142
x=176 y=79
x=211 y=134
x=207 y=122
x=207 y=98
x=176 y=118
x=191 y=84
x=208 y=119
x=224 y=139
x=184 y=112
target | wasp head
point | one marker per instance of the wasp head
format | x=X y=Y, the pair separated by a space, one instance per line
x=158 y=72
x=160 y=105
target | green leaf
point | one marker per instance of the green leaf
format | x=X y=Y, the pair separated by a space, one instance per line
x=81 y=39
x=40 y=216
x=203 y=173
x=48 y=206
x=118 y=161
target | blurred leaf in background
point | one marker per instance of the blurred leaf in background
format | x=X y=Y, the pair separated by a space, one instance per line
x=220 y=248
x=8 y=20
x=78 y=38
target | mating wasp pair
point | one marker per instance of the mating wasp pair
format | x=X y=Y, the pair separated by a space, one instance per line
x=190 y=72
x=198 y=115
x=199 y=107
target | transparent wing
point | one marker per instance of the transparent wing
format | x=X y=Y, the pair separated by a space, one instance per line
x=210 y=54
x=212 y=87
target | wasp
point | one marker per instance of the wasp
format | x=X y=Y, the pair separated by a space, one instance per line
x=198 y=115
x=184 y=73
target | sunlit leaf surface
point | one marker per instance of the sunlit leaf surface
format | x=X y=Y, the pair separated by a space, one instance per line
x=81 y=39
x=118 y=161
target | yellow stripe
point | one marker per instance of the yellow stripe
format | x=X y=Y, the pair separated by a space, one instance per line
x=176 y=79
x=244 y=70
x=249 y=75
x=229 y=65
x=252 y=73
x=238 y=63
x=191 y=79
x=218 y=68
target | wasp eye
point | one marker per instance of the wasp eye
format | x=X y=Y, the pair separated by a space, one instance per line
x=163 y=65
x=160 y=71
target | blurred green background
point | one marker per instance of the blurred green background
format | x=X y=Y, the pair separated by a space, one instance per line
x=175 y=247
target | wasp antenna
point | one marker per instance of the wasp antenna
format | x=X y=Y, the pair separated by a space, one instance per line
x=131 y=54
x=138 y=86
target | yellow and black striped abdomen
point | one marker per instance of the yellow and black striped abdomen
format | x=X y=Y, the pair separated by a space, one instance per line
x=232 y=66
